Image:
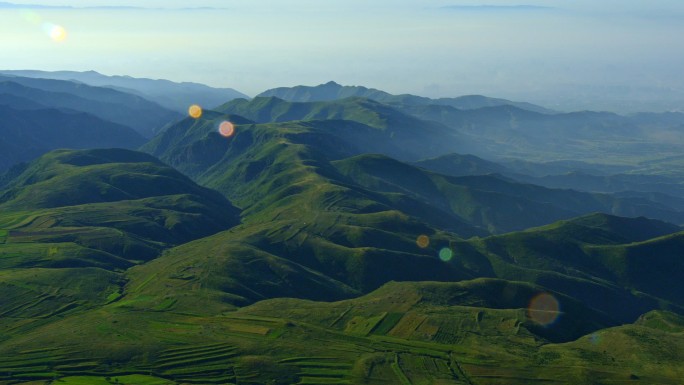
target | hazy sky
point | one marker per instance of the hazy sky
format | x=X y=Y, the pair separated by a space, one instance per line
x=428 y=47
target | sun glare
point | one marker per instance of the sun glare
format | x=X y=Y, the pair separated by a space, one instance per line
x=56 y=32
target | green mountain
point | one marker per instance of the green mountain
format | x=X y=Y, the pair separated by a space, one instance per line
x=305 y=200
x=115 y=106
x=332 y=91
x=296 y=249
x=73 y=222
x=27 y=134
x=298 y=208
x=407 y=136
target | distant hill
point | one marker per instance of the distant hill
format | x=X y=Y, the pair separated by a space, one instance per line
x=387 y=128
x=175 y=96
x=461 y=165
x=663 y=189
x=493 y=202
x=119 y=107
x=27 y=134
x=333 y=91
x=511 y=132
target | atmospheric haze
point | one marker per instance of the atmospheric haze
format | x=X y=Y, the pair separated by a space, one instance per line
x=617 y=55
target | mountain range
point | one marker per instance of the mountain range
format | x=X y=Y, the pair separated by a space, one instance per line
x=332 y=91
x=171 y=95
x=337 y=238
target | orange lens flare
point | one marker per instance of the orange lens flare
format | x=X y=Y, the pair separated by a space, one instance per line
x=423 y=241
x=195 y=111
x=226 y=129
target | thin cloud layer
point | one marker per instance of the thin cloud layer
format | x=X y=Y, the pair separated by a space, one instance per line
x=521 y=7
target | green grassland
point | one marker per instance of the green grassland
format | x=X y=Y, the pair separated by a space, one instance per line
x=115 y=268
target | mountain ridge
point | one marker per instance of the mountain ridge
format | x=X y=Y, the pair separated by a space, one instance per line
x=332 y=91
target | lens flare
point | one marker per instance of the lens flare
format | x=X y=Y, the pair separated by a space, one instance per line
x=195 y=111
x=544 y=309
x=446 y=254
x=595 y=339
x=56 y=32
x=226 y=129
x=423 y=241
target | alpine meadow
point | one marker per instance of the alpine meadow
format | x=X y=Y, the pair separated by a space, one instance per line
x=398 y=227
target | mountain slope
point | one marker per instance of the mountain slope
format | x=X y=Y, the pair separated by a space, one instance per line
x=72 y=222
x=607 y=262
x=119 y=107
x=27 y=134
x=298 y=209
x=66 y=194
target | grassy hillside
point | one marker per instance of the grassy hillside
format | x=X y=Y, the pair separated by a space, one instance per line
x=73 y=221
